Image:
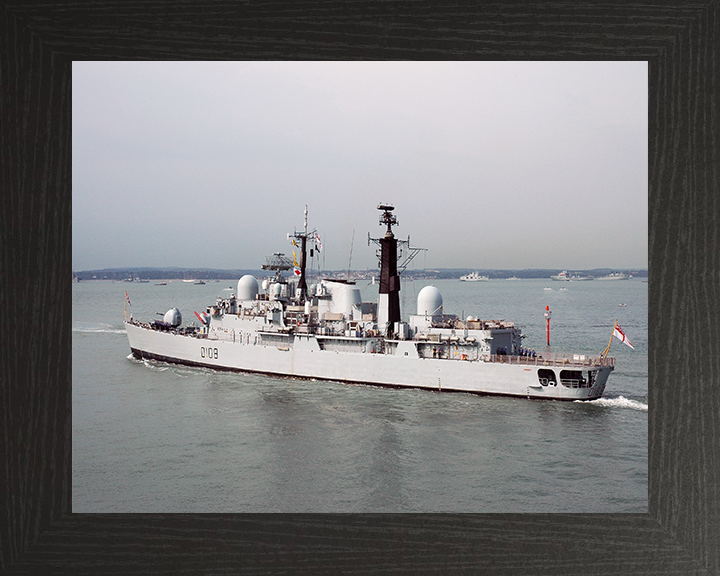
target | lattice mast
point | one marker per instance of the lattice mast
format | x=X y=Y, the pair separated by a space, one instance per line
x=301 y=265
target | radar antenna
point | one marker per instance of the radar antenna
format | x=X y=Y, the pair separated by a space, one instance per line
x=405 y=252
x=387 y=217
x=278 y=262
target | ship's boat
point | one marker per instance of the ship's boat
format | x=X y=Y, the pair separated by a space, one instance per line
x=282 y=326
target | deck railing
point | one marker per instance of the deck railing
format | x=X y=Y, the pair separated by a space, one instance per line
x=554 y=360
x=572 y=383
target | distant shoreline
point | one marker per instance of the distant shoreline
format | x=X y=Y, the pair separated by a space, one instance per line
x=164 y=274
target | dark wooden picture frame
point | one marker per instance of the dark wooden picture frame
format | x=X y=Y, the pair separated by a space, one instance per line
x=38 y=532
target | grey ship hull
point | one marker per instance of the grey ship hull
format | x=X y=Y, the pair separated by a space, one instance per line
x=371 y=361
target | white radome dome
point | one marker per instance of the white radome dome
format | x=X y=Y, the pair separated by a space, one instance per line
x=429 y=302
x=247 y=287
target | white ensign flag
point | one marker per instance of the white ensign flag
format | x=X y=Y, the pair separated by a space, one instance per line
x=621 y=335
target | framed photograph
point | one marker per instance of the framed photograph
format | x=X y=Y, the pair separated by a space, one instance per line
x=674 y=533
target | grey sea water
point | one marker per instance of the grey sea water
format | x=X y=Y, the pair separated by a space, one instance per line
x=152 y=437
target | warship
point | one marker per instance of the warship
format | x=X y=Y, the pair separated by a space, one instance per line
x=281 y=326
x=565 y=277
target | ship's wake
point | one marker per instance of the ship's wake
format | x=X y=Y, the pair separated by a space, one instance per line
x=96 y=328
x=159 y=366
x=620 y=402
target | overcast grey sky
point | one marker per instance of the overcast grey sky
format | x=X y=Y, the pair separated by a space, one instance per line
x=489 y=164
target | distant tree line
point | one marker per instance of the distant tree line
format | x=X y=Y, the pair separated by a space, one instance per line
x=441 y=273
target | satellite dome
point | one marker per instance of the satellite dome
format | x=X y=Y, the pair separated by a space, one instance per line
x=247 y=288
x=429 y=302
x=173 y=317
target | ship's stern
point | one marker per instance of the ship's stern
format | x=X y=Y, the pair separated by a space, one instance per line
x=600 y=378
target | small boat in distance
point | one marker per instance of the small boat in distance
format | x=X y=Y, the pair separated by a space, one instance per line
x=473 y=277
x=160 y=283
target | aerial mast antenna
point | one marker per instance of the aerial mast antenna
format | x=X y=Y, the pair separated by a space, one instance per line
x=405 y=252
x=352 y=243
x=303 y=237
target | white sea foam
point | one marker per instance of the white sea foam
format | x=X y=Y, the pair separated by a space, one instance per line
x=154 y=366
x=620 y=402
x=96 y=328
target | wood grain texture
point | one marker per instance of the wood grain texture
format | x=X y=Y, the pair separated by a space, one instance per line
x=38 y=533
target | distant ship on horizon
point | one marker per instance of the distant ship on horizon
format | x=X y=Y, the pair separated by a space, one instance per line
x=474 y=277
x=615 y=276
x=565 y=277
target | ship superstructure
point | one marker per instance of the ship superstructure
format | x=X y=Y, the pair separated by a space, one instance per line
x=283 y=326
